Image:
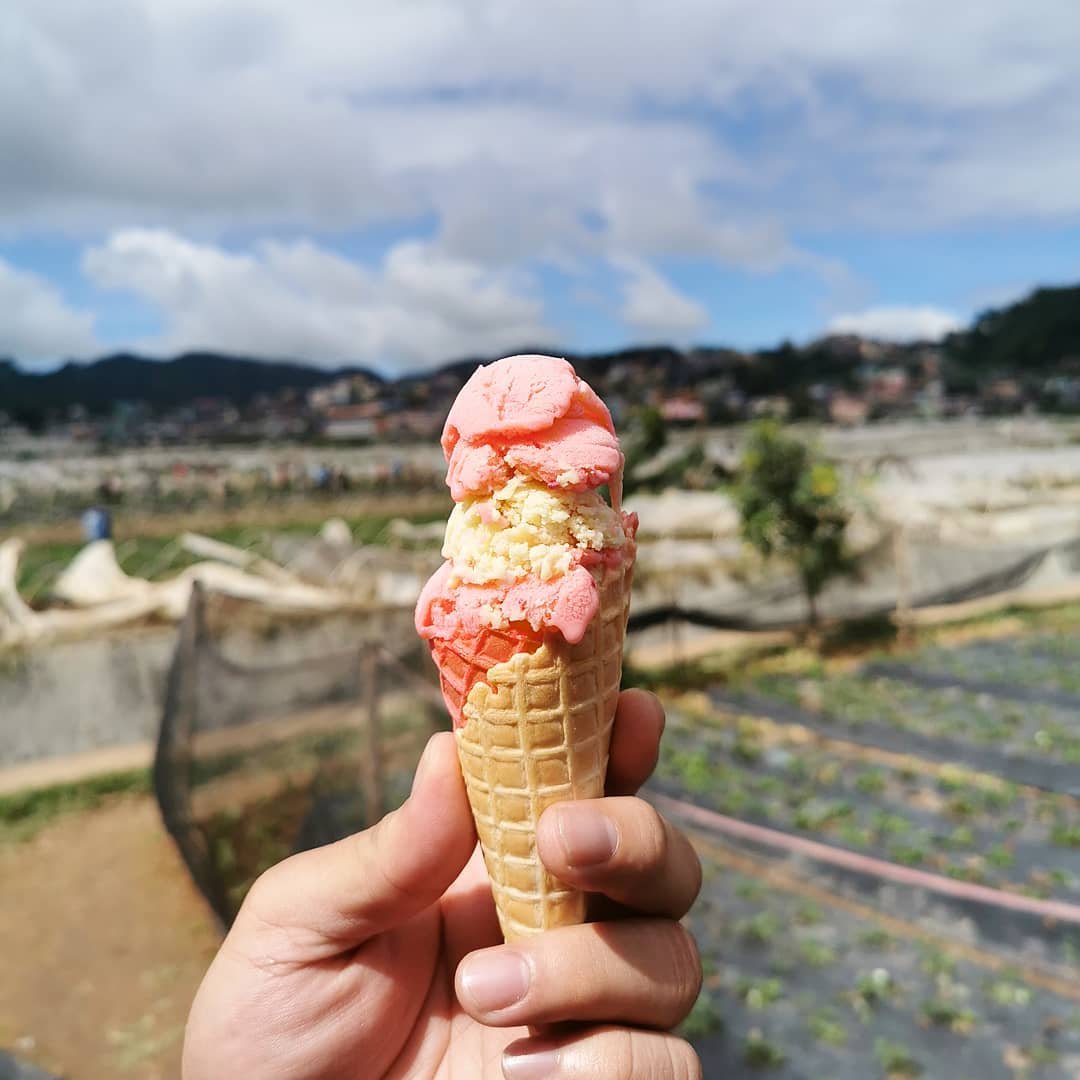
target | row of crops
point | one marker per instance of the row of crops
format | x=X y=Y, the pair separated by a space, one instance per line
x=959 y=763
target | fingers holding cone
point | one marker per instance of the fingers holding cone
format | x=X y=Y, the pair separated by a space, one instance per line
x=635 y=741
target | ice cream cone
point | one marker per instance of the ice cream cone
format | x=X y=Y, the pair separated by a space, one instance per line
x=526 y=617
x=536 y=731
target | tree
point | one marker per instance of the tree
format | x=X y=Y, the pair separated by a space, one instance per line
x=792 y=507
x=645 y=439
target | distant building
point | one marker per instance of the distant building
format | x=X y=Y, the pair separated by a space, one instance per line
x=1008 y=390
x=848 y=410
x=889 y=386
x=683 y=410
x=424 y=424
x=352 y=423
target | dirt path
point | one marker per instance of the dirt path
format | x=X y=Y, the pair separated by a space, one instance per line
x=103 y=940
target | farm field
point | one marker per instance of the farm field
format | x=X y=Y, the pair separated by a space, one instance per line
x=155 y=553
x=891 y=866
x=802 y=983
x=892 y=863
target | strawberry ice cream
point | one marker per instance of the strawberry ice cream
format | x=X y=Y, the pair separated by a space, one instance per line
x=528 y=444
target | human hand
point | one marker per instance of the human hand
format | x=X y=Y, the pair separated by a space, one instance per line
x=380 y=956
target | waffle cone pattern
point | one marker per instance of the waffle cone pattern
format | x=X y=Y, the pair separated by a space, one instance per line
x=536 y=730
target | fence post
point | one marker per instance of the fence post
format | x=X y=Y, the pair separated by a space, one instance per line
x=374 y=795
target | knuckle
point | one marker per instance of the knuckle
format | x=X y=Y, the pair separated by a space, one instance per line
x=687 y=975
x=652 y=845
x=263 y=895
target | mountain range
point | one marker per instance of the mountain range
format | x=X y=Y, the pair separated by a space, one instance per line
x=1035 y=338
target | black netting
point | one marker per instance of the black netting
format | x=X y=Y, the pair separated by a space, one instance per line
x=940 y=575
x=286 y=736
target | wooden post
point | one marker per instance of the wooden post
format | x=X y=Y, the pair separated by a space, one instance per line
x=374 y=796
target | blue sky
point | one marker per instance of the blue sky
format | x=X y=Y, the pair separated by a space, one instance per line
x=399 y=184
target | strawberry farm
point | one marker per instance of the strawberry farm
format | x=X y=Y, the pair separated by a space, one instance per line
x=891 y=848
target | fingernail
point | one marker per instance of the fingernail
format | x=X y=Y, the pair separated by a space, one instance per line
x=495 y=980
x=588 y=837
x=543 y=1065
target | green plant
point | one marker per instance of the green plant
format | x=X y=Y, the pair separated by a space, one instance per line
x=896 y=1060
x=907 y=854
x=871 y=782
x=749 y=889
x=646 y=438
x=792 y=508
x=873 y=987
x=760 y=993
x=704 y=1018
x=1007 y=992
x=890 y=824
x=941 y=1012
x=826 y=1028
x=961 y=837
x=1064 y=834
x=759 y=1053
x=936 y=962
x=876 y=939
x=760 y=929
x=855 y=836
x=816 y=953
x=693 y=768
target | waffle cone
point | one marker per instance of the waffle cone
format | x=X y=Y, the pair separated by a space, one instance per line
x=536 y=727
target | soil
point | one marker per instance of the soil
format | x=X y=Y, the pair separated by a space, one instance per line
x=104 y=940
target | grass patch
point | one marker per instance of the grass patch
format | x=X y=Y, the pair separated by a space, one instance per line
x=156 y=557
x=24 y=813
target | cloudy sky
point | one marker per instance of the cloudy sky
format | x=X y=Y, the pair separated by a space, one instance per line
x=401 y=182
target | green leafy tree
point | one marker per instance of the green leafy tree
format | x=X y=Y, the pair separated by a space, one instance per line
x=646 y=437
x=793 y=508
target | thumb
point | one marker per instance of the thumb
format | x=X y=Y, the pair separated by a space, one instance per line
x=342 y=894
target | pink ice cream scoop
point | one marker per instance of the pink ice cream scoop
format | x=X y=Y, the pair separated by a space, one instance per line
x=531 y=415
x=533 y=418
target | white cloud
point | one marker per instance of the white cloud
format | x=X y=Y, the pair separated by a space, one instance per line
x=899 y=324
x=420 y=307
x=497 y=112
x=562 y=132
x=36 y=323
x=652 y=305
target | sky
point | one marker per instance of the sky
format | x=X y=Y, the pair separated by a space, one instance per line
x=399 y=183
